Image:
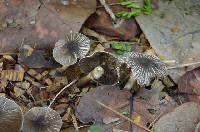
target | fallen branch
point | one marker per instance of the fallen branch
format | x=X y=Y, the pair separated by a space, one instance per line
x=119 y=114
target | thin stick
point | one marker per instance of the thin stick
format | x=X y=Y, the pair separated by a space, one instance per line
x=62 y=91
x=8 y=53
x=119 y=114
x=183 y=65
x=108 y=10
x=155 y=120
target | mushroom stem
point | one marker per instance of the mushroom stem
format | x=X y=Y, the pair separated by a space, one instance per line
x=130 y=83
x=93 y=75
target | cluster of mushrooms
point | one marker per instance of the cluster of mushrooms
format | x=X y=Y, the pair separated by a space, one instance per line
x=76 y=46
x=101 y=67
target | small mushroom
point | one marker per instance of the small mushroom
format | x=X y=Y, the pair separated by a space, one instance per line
x=42 y=119
x=94 y=75
x=74 y=46
x=10 y=116
x=109 y=64
x=144 y=67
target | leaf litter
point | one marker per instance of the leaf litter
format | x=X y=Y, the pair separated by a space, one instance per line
x=90 y=94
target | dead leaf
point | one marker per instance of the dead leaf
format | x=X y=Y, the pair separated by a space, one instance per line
x=102 y=23
x=89 y=111
x=150 y=104
x=189 y=83
x=12 y=75
x=36 y=59
x=183 y=119
x=39 y=25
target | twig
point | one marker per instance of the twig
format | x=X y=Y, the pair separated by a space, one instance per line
x=62 y=91
x=155 y=120
x=183 y=65
x=119 y=114
x=75 y=123
x=108 y=10
x=8 y=53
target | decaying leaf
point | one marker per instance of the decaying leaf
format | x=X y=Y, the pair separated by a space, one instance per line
x=183 y=119
x=150 y=104
x=189 y=84
x=35 y=58
x=38 y=24
x=12 y=75
x=122 y=30
x=89 y=111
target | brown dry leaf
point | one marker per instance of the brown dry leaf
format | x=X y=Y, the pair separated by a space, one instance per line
x=12 y=75
x=189 y=83
x=150 y=104
x=123 y=30
x=30 y=22
x=89 y=111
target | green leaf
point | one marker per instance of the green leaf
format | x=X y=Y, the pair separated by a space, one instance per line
x=147 y=7
x=125 y=113
x=121 y=46
x=132 y=5
x=125 y=3
x=93 y=128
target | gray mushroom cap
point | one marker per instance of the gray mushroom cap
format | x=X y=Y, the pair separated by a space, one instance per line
x=68 y=50
x=42 y=119
x=144 y=67
x=11 y=117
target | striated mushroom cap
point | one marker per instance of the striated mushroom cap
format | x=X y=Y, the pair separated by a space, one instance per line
x=11 y=117
x=144 y=67
x=42 y=119
x=68 y=50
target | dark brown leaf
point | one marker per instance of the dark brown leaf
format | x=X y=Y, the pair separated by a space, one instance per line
x=123 y=30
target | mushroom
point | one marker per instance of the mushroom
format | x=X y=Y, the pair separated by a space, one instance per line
x=74 y=46
x=143 y=67
x=42 y=119
x=94 y=75
x=11 y=117
x=109 y=64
